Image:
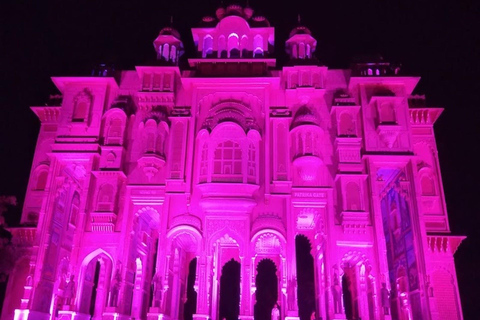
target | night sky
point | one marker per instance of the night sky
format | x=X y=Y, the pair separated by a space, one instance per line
x=437 y=40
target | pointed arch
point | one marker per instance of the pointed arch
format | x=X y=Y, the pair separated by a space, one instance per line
x=105 y=198
x=173 y=53
x=232 y=46
x=346 y=125
x=207 y=46
x=114 y=123
x=166 y=52
x=81 y=106
x=74 y=208
x=386 y=111
x=428 y=185
x=40 y=177
x=353 y=196
x=222 y=47
x=244 y=46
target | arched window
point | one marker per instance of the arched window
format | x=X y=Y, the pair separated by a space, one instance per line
x=301 y=51
x=369 y=72
x=150 y=135
x=166 y=52
x=114 y=132
x=306 y=79
x=41 y=179
x=386 y=113
x=308 y=53
x=233 y=51
x=227 y=162
x=110 y=158
x=222 y=47
x=161 y=139
x=74 y=208
x=81 y=106
x=294 y=80
x=159 y=51
x=258 y=43
x=346 y=126
x=428 y=186
x=147 y=81
x=80 y=111
x=207 y=46
x=106 y=192
x=294 y=51
x=353 y=197
x=300 y=144
x=244 y=46
x=309 y=143
x=173 y=54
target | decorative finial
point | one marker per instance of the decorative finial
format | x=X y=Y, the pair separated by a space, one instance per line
x=171 y=21
x=299 y=19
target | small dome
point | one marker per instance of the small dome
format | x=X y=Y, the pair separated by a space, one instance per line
x=208 y=21
x=235 y=10
x=169 y=31
x=304 y=116
x=220 y=13
x=259 y=22
x=300 y=30
x=248 y=12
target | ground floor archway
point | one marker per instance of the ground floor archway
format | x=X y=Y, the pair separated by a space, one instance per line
x=229 y=308
x=266 y=294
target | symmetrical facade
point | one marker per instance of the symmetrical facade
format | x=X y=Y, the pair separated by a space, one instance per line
x=218 y=191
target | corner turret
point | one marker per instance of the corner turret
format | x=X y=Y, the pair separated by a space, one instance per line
x=301 y=45
x=169 y=46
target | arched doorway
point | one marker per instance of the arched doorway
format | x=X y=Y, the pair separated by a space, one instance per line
x=358 y=287
x=230 y=291
x=305 y=277
x=349 y=294
x=94 y=284
x=266 y=294
x=190 y=306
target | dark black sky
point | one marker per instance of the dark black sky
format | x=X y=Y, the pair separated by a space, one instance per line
x=437 y=40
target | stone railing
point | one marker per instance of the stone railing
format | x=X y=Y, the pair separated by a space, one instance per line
x=443 y=243
x=23 y=236
x=424 y=116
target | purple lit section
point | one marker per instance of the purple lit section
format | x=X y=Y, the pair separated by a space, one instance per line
x=161 y=193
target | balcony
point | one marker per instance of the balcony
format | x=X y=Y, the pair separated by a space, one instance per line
x=308 y=166
x=103 y=221
x=151 y=163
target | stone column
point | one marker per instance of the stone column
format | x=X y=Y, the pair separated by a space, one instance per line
x=203 y=276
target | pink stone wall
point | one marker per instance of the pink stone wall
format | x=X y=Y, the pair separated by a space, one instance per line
x=135 y=176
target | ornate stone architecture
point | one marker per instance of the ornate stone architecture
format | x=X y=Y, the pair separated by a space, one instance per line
x=219 y=190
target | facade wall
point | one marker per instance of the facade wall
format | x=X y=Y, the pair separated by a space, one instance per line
x=149 y=189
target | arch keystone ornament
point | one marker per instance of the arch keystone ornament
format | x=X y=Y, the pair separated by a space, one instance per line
x=218 y=192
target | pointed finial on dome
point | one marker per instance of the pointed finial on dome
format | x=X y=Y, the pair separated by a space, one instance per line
x=171 y=21
x=299 y=19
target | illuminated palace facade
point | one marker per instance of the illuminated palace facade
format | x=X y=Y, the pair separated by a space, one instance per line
x=219 y=190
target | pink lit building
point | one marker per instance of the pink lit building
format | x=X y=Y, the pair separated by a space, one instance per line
x=219 y=191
